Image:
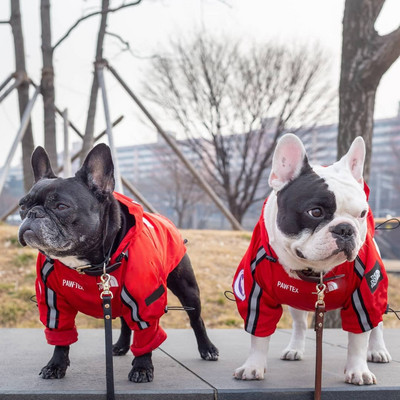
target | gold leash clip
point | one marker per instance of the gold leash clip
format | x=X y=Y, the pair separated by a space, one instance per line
x=105 y=280
x=321 y=287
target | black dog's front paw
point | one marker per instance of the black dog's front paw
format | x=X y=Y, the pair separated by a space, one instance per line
x=209 y=352
x=57 y=366
x=142 y=369
x=51 y=371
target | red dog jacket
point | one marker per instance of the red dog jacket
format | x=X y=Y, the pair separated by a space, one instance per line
x=154 y=247
x=261 y=285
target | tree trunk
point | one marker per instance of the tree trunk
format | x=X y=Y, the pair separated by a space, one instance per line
x=88 y=139
x=23 y=91
x=366 y=56
x=358 y=123
x=47 y=84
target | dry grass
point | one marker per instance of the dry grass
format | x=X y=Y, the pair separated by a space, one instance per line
x=215 y=256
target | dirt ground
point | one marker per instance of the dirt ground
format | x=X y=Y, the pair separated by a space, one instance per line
x=215 y=256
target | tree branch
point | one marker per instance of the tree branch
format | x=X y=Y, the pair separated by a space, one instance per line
x=110 y=10
x=124 y=42
x=5 y=22
x=388 y=51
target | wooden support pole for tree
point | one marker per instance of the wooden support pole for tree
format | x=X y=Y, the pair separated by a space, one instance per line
x=116 y=122
x=6 y=81
x=66 y=153
x=73 y=127
x=100 y=77
x=20 y=134
x=138 y=195
x=171 y=142
x=16 y=83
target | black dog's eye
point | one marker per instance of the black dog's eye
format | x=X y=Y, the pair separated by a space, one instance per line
x=363 y=214
x=61 y=207
x=316 y=212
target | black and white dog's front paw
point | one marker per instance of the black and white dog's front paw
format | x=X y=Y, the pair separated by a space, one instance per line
x=358 y=373
x=142 y=369
x=57 y=366
x=379 y=355
x=250 y=370
x=292 y=354
x=256 y=364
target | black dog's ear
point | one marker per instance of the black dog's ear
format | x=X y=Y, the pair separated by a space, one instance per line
x=41 y=164
x=97 y=171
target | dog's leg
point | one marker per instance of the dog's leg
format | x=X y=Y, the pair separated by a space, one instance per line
x=183 y=285
x=57 y=366
x=256 y=364
x=142 y=369
x=356 y=370
x=296 y=346
x=121 y=347
x=377 y=351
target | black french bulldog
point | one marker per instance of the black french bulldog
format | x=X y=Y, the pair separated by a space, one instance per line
x=79 y=224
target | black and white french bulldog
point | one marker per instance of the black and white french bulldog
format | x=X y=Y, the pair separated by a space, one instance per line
x=316 y=220
x=75 y=223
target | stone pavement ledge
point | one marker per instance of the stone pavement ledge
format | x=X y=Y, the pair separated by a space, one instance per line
x=180 y=374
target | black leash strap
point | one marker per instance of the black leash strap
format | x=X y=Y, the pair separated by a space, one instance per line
x=106 y=296
x=319 y=327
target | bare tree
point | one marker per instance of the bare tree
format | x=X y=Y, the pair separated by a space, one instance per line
x=23 y=90
x=233 y=104
x=184 y=193
x=179 y=190
x=88 y=139
x=47 y=84
x=366 y=56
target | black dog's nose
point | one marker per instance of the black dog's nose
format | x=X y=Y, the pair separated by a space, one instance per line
x=343 y=231
x=36 y=212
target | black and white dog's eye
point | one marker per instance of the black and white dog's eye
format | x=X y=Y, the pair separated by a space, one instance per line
x=61 y=207
x=363 y=214
x=316 y=212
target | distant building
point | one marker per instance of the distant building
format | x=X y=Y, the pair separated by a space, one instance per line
x=146 y=164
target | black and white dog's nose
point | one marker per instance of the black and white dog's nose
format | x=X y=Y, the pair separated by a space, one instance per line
x=344 y=234
x=343 y=231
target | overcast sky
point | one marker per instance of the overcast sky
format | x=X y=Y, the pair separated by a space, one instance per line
x=147 y=28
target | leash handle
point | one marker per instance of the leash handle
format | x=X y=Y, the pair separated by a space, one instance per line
x=107 y=311
x=106 y=296
x=319 y=326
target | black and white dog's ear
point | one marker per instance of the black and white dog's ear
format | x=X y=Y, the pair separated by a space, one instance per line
x=41 y=165
x=97 y=171
x=288 y=161
x=354 y=159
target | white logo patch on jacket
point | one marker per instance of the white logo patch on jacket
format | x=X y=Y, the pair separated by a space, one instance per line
x=113 y=283
x=72 y=284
